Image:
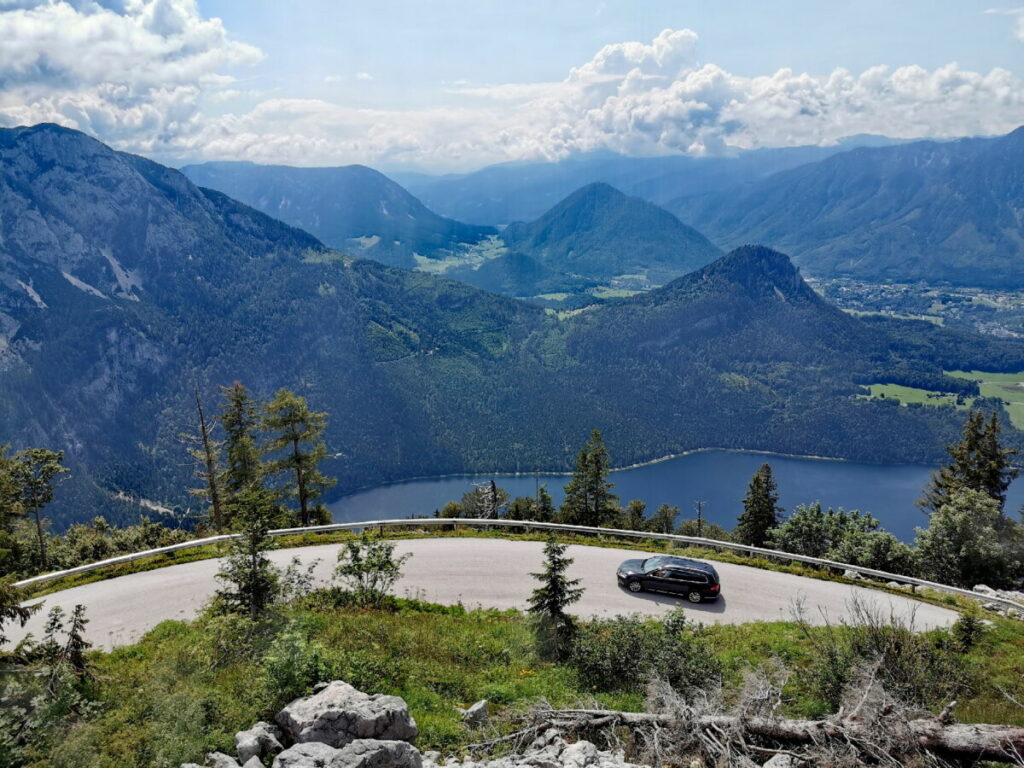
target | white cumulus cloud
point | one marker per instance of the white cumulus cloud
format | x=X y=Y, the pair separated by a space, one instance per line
x=124 y=70
x=137 y=73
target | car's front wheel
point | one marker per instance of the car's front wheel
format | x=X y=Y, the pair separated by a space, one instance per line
x=635 y=586
x=694 y=597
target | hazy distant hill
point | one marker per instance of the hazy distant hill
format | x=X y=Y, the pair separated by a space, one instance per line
x=932 y=211
x=600 y=234
x=353 y=208
x=123 y=288
x=522 y=191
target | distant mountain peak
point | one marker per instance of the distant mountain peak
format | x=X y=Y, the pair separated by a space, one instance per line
x=759 y=270
x=602 y=233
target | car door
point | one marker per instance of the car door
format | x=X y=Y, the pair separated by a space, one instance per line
x=690 y=580
x=657 y=580
x=674 y=580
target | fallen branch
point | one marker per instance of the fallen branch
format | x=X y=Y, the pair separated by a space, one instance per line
x=940 y=736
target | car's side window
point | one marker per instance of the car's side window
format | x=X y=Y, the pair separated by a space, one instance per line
x=695 y=577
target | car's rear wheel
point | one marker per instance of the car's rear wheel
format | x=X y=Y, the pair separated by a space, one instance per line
x=694 y=596
x=635 y=586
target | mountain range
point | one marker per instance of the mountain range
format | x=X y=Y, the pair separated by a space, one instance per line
x=352 y=208
x=933 y=211
x=523 y=191
x=124 y=288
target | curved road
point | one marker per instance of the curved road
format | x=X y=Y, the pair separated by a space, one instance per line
x=492 y=573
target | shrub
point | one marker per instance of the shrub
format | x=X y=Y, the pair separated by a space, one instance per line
x=624 y=653
x=368 y=569
x=293 y=664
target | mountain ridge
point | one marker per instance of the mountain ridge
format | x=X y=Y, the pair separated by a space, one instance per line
x=353 y=208
x=933 y=211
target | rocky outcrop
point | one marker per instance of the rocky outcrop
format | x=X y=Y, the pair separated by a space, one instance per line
x=339 y=714
x=260 y=740
x=340 y=727
x=476 y=714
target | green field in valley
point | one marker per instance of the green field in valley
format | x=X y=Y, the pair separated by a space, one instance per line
x=1009 y=387
x=907 y=395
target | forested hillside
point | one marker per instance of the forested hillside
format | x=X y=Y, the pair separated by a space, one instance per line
x=124 y=288
x=601 y=234
x=931 y=211
x=353 y=208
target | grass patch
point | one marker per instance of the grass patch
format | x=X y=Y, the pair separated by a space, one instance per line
x=933 y=319
x=907 y=395
x=1008 y=387
x=187 y=687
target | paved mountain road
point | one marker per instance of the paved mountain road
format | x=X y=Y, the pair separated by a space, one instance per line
x=486 y=572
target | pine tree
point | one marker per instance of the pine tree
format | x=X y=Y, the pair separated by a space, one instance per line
x=240 y=419
x=588 y=497
x=761 y=509
x=299 y=432
x=636 y=515
x=663 y=520
x=206 y=451
x=11 y=608
x=977 y=463
x=249 y=577
x=555 y=628
x=545 y=506
x=36 y=474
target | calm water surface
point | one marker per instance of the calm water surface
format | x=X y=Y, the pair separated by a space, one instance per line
x=718 y=478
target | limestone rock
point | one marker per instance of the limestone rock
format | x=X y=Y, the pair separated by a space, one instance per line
x=253 y=762
x=476 y=714
x=339 y=714
x=309 y=755
x=262 y=739
x=982 y=589
x=848 y=574
x=220 y=760
x=369 y=753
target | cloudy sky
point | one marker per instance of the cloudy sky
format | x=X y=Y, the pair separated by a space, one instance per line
x=456 y=84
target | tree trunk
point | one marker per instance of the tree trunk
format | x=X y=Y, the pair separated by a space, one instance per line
x=300 y=484
x=211 y=467
x=950 y=740
x=42 y=539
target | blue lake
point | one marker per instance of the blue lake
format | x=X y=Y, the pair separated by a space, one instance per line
x=719 y=478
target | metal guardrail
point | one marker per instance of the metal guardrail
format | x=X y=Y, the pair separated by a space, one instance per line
x=528 y=525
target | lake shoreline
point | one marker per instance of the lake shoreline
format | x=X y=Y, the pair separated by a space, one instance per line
x=624 y=468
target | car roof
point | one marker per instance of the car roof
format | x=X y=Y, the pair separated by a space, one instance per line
x=685 y=562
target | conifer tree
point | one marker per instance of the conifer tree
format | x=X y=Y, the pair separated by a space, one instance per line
x=250 y=579
x=977 y=463
x=663 y=520
x=298 y=431
x=588 y=496
x=636 y=515
x=555 y=628
x=206 y=451
x=37 y=473
x=760 y=509
x=240 y=419
x=545 y=506
x=11 y=608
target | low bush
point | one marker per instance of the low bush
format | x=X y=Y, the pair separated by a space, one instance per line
x=624 y=653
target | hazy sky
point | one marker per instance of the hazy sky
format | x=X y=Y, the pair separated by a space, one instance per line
x=455 y=84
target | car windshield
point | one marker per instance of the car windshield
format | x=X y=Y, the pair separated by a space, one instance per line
x=653 y=564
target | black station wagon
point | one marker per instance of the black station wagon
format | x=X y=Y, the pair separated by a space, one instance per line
x=677 y=575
